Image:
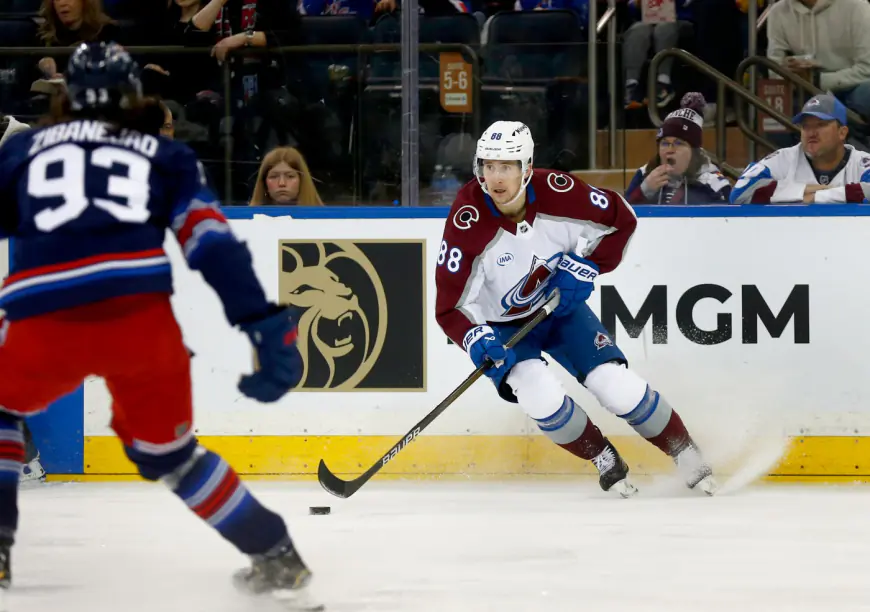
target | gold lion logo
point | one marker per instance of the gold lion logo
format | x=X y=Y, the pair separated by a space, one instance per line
x=344 y=324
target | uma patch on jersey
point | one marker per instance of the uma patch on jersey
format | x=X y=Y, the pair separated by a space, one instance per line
x=602 y=340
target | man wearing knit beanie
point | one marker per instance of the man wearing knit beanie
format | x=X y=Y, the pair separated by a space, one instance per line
x=821 y=169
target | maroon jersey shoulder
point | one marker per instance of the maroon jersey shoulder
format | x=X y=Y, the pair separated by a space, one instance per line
x=565 y=195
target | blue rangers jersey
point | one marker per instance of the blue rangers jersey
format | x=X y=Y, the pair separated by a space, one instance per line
x=87 y=209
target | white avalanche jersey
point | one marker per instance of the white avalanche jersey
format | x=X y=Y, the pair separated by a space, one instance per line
x=782 y=176
x=491 y=269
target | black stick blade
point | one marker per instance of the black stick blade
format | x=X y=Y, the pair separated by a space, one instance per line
x=332 y=483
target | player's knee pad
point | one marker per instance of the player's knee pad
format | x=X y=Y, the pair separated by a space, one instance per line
x=538 y=391
x=154 y=466
x=616 y=387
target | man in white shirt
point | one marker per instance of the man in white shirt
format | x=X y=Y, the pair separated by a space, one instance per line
x=821 y=169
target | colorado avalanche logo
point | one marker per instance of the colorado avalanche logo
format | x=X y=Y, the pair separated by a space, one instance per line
x=602 y=340
x=526 y=293
x=560 y=183
x=465 y=216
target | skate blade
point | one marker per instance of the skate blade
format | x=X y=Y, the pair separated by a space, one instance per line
x=625 y=489
x=708 y=485
x=297 y=600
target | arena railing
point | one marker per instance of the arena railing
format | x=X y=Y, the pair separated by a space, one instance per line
x=364 y=51
x=722 y=83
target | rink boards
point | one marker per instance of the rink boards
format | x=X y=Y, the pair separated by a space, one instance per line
x=752 y=321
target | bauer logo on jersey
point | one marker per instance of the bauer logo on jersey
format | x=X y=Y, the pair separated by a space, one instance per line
x=364 y=304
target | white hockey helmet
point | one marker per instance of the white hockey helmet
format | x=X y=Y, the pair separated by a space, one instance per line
x=505 y=141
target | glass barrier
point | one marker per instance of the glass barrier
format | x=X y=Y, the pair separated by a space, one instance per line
x=340 y=106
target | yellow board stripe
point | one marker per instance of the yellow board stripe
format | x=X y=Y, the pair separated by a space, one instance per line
x=814 y=457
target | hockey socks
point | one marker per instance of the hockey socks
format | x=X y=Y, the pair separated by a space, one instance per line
x=213 y=491
x=572 y=429
x=659 y=423
x=11 y=458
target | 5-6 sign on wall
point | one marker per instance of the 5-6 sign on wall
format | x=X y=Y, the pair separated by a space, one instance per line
x=456 y=83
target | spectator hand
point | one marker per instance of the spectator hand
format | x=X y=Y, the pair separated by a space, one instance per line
x=810 y=192
x=157 y=68
x=48 y=67
x=656 y=179
x=220 y=50
x=800 y=63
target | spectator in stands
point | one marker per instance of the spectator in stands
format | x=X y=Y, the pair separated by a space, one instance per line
x=364 y=9
x=69 y=22
x=821 y=169
x=264 y=97
x=157 y=118
x=832 y=36
x=635 y=52
x=580 y=7
x=284 y=180
x=188 y=74
x=680 y=172
x=65 y=23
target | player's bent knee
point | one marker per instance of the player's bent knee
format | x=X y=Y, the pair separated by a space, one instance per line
x=538 y=391
x=154 y=466
x=616 y=387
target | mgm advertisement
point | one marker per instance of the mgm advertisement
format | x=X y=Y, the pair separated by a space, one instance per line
x=363 y=321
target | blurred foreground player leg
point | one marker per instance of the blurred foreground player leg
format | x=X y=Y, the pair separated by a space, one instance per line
x=514 y=234
x=88 y=200
x=31 y=470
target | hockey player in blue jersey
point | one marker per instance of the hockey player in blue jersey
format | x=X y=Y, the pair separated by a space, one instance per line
x=87 y=201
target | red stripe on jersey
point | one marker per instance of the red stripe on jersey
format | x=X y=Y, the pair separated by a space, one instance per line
x=81 y=263
x=195 y=217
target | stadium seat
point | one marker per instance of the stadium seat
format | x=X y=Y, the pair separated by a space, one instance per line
x=386 y=66
x=535 y=67
x=17 y=72
x=533 y=47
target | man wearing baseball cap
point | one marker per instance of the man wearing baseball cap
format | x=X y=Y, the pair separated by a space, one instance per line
x=821 y=169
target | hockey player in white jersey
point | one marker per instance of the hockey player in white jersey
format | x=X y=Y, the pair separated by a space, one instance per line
x=821 y=169
x=514 y=234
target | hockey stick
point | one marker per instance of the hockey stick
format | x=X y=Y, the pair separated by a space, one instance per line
x=346 y=488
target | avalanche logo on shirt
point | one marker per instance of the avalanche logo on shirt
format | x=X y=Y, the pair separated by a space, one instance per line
x=526 y=293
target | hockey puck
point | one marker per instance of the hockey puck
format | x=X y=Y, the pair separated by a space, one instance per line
x=319 y=510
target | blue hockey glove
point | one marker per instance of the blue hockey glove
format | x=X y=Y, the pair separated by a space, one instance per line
x=483 y=346
x=280 y=364
x=575 y=278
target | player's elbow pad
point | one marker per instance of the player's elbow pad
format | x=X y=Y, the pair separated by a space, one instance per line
x=226 y=265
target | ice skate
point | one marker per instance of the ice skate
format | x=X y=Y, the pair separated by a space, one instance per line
x=284 y=576
x=613 y=471
x=695 y=471
x=5 y=565
x=32 y=472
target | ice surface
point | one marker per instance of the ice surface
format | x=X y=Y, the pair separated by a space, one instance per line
x=459 y=546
